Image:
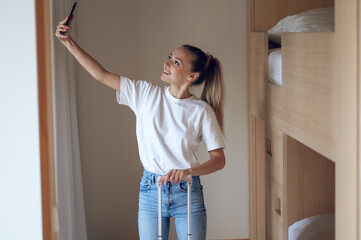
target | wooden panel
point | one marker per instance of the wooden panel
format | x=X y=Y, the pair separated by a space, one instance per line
x=274 y=184
x=257 y=73
x=265 y=14
x=347 y=114
x=250 y=15
x=44 y=61
x=252 y=176
x=268 y=12
x=261 y=179
x=303 y=107
x=310 y=182
x=285 y=197
x=257 y=191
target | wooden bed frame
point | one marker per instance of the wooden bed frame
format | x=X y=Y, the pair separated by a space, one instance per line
x=291 y=126
x=302 y=106
x=304 y=136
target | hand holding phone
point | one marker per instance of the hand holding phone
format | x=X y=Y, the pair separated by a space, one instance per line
x=70 y=16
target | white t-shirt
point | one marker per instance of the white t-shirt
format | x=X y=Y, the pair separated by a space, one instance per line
x=169 y=129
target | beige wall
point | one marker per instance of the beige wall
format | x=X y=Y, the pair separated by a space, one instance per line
x=133 y=38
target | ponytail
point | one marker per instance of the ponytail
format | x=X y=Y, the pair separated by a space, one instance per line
x=211 y=74
x=213 y=89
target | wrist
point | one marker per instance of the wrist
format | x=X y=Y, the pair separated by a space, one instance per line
x=190 y=171
x=68 y=42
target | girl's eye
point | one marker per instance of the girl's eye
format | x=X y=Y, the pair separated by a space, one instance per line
x=175 y=62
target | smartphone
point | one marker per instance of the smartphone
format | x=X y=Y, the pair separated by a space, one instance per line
x=70 y=17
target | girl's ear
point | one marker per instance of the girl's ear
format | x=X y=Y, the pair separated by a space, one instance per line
x=193 y=77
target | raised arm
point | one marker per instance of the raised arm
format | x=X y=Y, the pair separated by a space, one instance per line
x=89 y=63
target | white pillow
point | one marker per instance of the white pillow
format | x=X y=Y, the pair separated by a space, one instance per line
x=320 y=227
x=275 y=66
x=314 y=20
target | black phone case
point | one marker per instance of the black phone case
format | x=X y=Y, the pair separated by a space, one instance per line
x=70 y=17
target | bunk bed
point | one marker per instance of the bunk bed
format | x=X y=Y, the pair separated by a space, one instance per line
x=291 y=125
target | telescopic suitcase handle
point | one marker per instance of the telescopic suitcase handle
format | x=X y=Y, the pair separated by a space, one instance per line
x=160 y=181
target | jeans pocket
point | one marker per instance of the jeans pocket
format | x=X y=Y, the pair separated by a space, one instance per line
x=183 y=186
x=145 y=184
x=195 y=186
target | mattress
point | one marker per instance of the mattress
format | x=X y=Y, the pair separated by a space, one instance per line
x=275 y=66
x=320 y=227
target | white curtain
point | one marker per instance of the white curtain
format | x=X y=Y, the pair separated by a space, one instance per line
x=67 y=156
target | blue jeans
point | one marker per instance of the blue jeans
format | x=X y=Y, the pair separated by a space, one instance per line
x=174 y=204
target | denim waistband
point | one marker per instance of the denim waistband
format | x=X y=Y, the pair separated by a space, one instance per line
x=153 y=177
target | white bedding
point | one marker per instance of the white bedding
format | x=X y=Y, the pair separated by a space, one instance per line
x=320 y=227
x=314 y=20
x=275 y=66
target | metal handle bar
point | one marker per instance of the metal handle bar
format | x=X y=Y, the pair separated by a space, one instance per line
x=160 y=180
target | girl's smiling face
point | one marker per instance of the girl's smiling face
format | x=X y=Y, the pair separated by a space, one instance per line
x=177 y=69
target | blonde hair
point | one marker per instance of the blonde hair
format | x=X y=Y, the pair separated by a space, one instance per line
x=211 y=74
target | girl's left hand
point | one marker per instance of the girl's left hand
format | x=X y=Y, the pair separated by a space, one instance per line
x=176 y=175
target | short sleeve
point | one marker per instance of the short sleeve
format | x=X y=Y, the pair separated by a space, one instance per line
x=132 y=93
x=212 y=135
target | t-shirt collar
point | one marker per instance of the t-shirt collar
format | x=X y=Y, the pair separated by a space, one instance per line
x=179 y=100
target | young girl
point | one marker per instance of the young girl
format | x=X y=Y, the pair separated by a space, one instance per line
x=171 y=122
